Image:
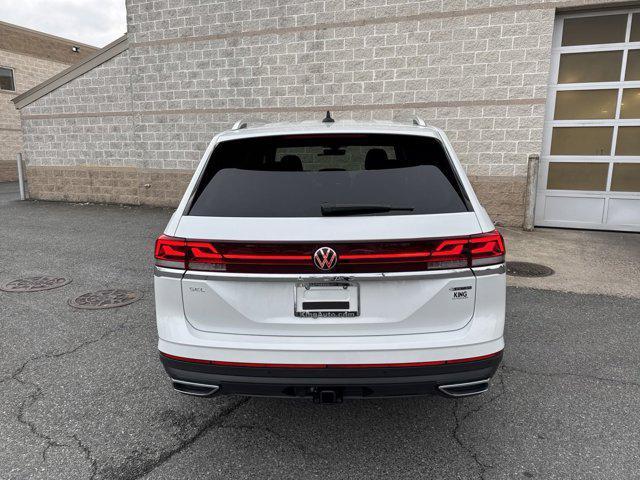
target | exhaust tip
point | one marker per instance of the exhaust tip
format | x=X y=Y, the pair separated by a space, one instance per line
x=194 y=389
x=467 y=389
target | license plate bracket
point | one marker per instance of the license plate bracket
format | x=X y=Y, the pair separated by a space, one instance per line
x=326 y=299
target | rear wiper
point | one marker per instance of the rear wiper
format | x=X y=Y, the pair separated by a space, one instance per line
x=348 y=209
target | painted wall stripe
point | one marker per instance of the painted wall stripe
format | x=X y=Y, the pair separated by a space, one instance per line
x=544 y=5
x=315 y=108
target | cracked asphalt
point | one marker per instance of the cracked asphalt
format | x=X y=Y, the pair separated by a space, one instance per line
x=83 y=394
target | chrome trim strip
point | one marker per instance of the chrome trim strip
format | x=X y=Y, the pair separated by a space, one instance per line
x=211 y=388
x=326 y=277
x=444 y=388
x=489 y=270
x=167 y=272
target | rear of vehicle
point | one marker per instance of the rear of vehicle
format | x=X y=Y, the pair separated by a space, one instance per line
x=330 y=261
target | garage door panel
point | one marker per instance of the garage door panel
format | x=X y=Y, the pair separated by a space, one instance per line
x=573 y=209
x=590 y=164
x=624 y=211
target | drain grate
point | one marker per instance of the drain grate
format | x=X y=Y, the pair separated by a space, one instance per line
x=35 y=284
x=105 y=299
x=526 y=269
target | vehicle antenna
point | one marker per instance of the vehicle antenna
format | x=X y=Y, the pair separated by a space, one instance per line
x=328 y=118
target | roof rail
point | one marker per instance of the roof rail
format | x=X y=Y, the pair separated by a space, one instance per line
x=240 y=124
x=419 y=122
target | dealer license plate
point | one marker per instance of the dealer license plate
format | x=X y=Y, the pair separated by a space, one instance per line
x=327 y=299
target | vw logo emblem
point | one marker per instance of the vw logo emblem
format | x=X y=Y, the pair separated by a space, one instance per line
x=325 y=258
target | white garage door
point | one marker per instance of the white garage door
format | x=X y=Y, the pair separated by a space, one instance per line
x=590 y=163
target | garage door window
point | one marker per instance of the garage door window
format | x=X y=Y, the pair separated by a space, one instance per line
x=626 y=177
x=635 y=28
x=630 y=107
x=592 y=30
x=590 y=67
x=633 y=66
x=581 y=141
x=628 y=141
x=577 y=176
x=586 y=104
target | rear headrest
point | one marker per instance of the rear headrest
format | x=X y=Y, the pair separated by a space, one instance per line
x=289 y=163
x=376 y=159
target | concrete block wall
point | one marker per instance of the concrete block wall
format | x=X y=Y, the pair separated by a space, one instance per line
x=479 y=70
x=28 y=72
x=85 y=122
x=480 y=76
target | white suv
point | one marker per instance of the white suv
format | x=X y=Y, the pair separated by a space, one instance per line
x=330 y=260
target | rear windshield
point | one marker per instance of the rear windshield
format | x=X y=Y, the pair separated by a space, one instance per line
x=316 y=175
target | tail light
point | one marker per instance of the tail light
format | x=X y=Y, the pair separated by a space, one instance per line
x=486 y=249
x=170 y=252
x=401 y=256
x=180 y=253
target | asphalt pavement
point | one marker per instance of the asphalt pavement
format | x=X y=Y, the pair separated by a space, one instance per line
x=83 y=394
x=9 y=191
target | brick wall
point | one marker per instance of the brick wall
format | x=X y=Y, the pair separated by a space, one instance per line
x=478 y=70
x=41 y=45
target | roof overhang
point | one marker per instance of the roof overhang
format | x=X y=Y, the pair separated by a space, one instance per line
x=92 y=61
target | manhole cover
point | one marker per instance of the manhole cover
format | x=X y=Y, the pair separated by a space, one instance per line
x=526 y=269
x=105 y=299
x=34 y=284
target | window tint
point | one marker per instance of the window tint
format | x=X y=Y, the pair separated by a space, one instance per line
x=6 y=79
x=293 y=176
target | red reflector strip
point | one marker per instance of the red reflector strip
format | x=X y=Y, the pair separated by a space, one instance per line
x=473 y=359
x=184 y=359
x=331 y=365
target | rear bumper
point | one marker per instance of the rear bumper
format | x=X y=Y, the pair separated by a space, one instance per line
x=482 y=335
x=370 y=382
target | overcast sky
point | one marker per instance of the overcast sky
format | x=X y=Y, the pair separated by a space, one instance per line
x=95 y=22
